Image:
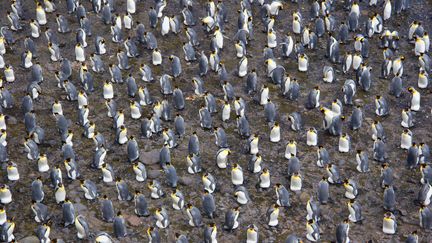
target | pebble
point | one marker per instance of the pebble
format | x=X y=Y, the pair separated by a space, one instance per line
x=133 y=220
x=29 y=239
x=153 y=174
x=149 y=157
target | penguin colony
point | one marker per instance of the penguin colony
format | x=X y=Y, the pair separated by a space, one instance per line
x=158 y=121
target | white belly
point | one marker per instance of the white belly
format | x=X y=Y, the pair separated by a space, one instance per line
x=157 y=59
x=265 y=182
x=5 y=197
x=388 y=227
x=241 y=198
x=108 y=92
x=415 y=102
x=275 y=135
x=302 y=65
x=296 y=184
x=102 y=49
x=2 y=63
x=271 y=41
x=343 y=146
x=239 y=50
x=165 y=26
x=226 y=113
x=270 y=68
x=237 y=178
x=79 y=54
x=41 y=17
x=419 y=48
x=10 y=76
x=60 y=196
x=423 y=82
x=273 y=220
x=135 y=113
x=312 y=139
x=13 y=174
x=43 y=166
x=243 y=68
x=131 y=6
x=406 y=141
x=107 y=177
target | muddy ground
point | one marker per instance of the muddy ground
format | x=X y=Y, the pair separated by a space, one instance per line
x=292 y=220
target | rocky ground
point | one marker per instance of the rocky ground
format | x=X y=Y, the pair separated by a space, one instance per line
x=292 y=220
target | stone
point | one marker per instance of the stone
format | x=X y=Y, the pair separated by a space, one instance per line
x=359 y=102
x=153 y=174
x=29 y=239
x=304 y=197
x=149 y=157
x=79 y=207
x=11 y=120
x=133 y=220
x=186 y=180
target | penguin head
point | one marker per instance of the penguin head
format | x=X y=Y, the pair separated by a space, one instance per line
x=422 y=208
x=235 y=167
x=251 y=229
x=137 y=193
x=213 y=226
x=388 y=216
x=10 y=165
x=151 y=185
x=149 y=231
x=67 y=161
x=346 y=183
